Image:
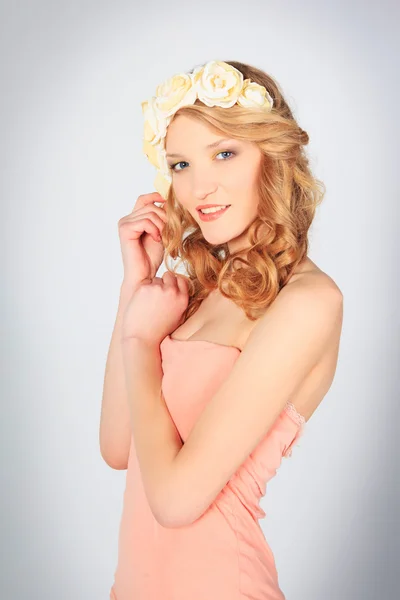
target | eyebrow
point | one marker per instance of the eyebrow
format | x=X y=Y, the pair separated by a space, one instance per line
x=213 y=145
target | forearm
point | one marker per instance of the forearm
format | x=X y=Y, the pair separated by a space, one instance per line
x=115 y=428
x=157 y=440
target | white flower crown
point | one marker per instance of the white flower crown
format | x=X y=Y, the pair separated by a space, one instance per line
x=216 y=84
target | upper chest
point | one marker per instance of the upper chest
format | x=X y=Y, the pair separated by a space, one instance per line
x=218 y=319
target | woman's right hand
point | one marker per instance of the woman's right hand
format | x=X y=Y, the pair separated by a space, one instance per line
x=140 y=238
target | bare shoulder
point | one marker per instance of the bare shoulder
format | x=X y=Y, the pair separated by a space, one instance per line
x=309 y=283
x=314 y=297
x=311 y=290
x=311 y=303
x=309 y=276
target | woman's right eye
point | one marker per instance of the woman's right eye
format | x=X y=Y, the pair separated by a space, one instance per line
x=172 y=167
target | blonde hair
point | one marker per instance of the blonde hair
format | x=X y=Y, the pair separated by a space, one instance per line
x=288 y=198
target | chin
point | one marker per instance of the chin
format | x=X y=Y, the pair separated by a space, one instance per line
x=216 y=240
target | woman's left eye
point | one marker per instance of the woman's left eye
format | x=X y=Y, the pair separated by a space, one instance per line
x=226 y=152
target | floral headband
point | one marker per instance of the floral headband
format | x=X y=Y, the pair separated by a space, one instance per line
x=216 y=84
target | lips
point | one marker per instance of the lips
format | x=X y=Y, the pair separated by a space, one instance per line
x=213 y=215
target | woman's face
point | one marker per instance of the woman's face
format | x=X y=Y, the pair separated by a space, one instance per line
x=224 y=174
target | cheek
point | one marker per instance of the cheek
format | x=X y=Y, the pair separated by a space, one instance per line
x=243 y=191
x=182 y=195
x=241 y=179
x=180 y=188
x=245 y=198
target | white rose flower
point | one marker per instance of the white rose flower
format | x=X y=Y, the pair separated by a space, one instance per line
x=151 y=152
x=254 y=95
x=162 y=159
x=175 y=92
x=217 y=83
x=155 y=124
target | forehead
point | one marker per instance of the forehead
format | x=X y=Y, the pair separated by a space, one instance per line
x=186 y=130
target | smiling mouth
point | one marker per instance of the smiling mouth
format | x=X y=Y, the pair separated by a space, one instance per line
x=214 y=213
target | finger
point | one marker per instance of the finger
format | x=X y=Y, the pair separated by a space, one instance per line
x=151 y=217
x=145 y=199
x=150 y=208
x=137 y=227
x=157 y=220
x=183 y=285
x=169 y=279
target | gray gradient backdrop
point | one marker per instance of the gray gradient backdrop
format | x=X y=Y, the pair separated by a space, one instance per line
x=73 y=75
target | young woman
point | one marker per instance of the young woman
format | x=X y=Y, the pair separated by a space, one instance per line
x=212 y=374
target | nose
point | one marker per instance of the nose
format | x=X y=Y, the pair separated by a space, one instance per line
x=203 y=186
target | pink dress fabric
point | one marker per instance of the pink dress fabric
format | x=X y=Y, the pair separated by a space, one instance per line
x=223 y=555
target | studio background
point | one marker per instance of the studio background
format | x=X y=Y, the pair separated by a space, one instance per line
x=73 y=75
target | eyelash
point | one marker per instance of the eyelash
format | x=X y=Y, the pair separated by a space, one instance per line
x=172 y=167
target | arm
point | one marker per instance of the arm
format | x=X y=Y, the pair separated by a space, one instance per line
x=157 y=441
x=115 y=428
x=182 y=480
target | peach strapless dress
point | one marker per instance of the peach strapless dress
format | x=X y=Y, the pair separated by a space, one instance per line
x=223 y=555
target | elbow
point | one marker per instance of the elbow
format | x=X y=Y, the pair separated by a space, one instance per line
x=115 y=460
x=172 y=520
x=115 y=450
x=167 y=518
x=172 y=513
x=176 y=515
x=115 y=464
x=177 y=503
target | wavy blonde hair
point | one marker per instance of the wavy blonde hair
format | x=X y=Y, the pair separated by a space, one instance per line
x=288 y=198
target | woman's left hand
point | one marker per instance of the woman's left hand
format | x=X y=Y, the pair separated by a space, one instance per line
x=156 y=308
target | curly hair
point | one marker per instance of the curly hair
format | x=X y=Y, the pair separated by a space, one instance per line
x=288 y=198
